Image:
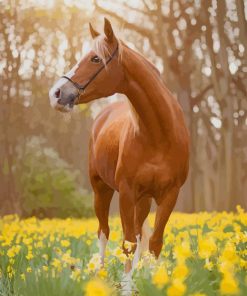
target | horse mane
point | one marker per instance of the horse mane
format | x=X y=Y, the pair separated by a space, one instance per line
x=102 y=50
x=147 y=62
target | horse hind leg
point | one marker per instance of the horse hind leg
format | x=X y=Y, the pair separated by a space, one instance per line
x=163 y=213
x=102 y=200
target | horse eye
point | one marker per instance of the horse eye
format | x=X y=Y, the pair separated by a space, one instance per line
x=96 y=59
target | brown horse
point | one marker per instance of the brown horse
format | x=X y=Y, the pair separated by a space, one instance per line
x=139 y=147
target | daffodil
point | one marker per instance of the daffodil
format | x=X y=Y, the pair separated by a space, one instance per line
x=229 y=285
x=177 y=288
x=206 y=247
x=65 y=243
x=180 y=272
x=97 y=287
x=160 y=277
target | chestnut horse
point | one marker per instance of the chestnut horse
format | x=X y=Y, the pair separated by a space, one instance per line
x=139 y=148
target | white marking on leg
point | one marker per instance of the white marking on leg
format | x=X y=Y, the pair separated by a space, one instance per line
x=126 y=284
x=146 y=234
x=102 y=246
x=137 y=253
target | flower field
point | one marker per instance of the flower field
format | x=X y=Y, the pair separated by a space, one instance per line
x=203 y=254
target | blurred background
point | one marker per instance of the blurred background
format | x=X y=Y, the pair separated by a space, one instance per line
x=199 y=46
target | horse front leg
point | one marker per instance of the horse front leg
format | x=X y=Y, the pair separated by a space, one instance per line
x=130 y=241
x=127 y=214
x=142 y=232
x=102 y=200
x=163 y=212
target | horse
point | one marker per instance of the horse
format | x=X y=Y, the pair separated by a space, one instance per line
x=139 y=147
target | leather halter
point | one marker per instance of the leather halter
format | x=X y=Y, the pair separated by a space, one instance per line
x=81 y=88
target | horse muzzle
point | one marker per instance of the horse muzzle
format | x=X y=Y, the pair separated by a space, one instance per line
x=64 y=102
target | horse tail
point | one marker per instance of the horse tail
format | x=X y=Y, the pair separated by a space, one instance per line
x=146 y=233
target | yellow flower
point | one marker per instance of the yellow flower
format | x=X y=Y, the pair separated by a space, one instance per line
x=206 y=247
x=45 y=268
x=57 y=264
x=180 y=272
x=29 y=269
x=13 y=251
x=75 y=275
x=10 y=271
x=94 y=263
x=243 y=263
x=45 y=256
x=29 y=256
x=23 y=277
x=102 y=273
x=118 y=252
x=229 y=285
x=193 y=232
x=88 y=242
x=39 y=245
x=114 y=236
x=177 y=288
x=229 y=253
x=65 y=243
x=27 y=241
x=58 y=251
x=240 y=210
x=226 y=267
x=52 y=238
x=140 y=264
x=91 y=266
x=96 y=287
x=182 y=251
x=160 y=277
x=209 y=264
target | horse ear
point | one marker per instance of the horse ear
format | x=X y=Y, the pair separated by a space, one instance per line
x=93 y=32
x=108 y=30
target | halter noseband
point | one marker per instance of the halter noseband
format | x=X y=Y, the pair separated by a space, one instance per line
x=81 y=88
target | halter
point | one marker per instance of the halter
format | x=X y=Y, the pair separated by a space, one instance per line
x=81 y=88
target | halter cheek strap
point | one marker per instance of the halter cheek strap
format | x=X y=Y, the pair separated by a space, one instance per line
x=81 y=88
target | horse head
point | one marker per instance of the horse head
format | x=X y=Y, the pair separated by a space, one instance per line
x=98 y=74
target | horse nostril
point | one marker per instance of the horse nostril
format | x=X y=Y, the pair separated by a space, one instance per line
x=59 y=101
x=57 y=93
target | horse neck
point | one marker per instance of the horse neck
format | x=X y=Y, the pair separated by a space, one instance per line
x=154 y=107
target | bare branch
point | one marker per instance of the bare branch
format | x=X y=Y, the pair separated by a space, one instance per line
x=146 y=12
x=239 y=83
x=146 y=5
x=199 y=97
x=143 y=31
x=208 y=125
